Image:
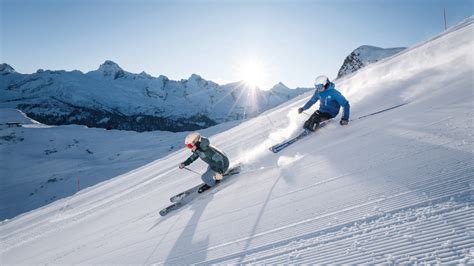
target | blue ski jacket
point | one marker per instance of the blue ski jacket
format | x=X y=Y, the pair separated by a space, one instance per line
x=331 y=101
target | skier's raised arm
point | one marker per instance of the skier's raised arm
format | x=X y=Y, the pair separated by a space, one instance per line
x=189 y=161
x=314 y=99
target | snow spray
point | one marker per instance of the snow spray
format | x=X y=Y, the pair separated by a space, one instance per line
x=295 y=122
x=285 y=161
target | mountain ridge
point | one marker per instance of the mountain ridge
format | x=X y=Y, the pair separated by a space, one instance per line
x=111 y=97
x=365 y=55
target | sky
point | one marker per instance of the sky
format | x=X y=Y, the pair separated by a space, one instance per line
x=223 y=41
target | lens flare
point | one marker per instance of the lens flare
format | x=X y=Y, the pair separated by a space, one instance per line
x=252 y=72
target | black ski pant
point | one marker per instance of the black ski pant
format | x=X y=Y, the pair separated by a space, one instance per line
x=317 y=117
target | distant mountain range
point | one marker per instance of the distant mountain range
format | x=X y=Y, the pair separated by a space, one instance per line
x=363 y=56
x=113 y=98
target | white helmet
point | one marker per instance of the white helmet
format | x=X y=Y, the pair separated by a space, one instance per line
x=321 y=81
x=192 y=138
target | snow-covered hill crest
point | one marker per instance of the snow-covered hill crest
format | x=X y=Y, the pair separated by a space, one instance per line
x=111 y=97
x=363 y=56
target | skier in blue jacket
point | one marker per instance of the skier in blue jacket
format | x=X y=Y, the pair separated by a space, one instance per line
x=331 y=101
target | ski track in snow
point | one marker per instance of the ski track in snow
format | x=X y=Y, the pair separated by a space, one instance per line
x=392 y=188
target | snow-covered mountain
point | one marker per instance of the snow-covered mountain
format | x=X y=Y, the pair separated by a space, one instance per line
x=111 y=97
x=392 y=188
x=6 y=69
x=363 y=56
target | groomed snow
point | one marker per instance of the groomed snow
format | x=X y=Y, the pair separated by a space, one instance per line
x=396 y=187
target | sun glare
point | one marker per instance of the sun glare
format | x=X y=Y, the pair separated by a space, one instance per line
x=252 y=72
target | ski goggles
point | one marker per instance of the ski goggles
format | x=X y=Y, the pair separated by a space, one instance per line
x=319 y=87
x=189 y=146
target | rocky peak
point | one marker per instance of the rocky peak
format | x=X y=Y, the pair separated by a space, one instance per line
x=111 y=69
x=6 y=69
x=279 y=87
x=363 y=56
x=145 y=75
x=195 y=77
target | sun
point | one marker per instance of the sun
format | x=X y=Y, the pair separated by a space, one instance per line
x=252 y=72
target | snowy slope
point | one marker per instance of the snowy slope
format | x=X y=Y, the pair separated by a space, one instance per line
x=363 y=56
x=60 y=157
x=111 y=97
x=396 y=187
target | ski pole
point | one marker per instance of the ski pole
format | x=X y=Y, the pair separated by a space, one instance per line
x=378 y=112
x=306 y=114
x=191 y=170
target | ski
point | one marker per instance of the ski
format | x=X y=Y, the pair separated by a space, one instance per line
x=183 y=194
x=278 y=147
x=183 y=198
x=172 y=207
x=180 y=196
x=232 y=171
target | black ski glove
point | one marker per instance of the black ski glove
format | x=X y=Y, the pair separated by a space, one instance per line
x=300 y=110
x=344 y=122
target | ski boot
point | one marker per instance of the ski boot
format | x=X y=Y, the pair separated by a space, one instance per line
x=203 y=188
